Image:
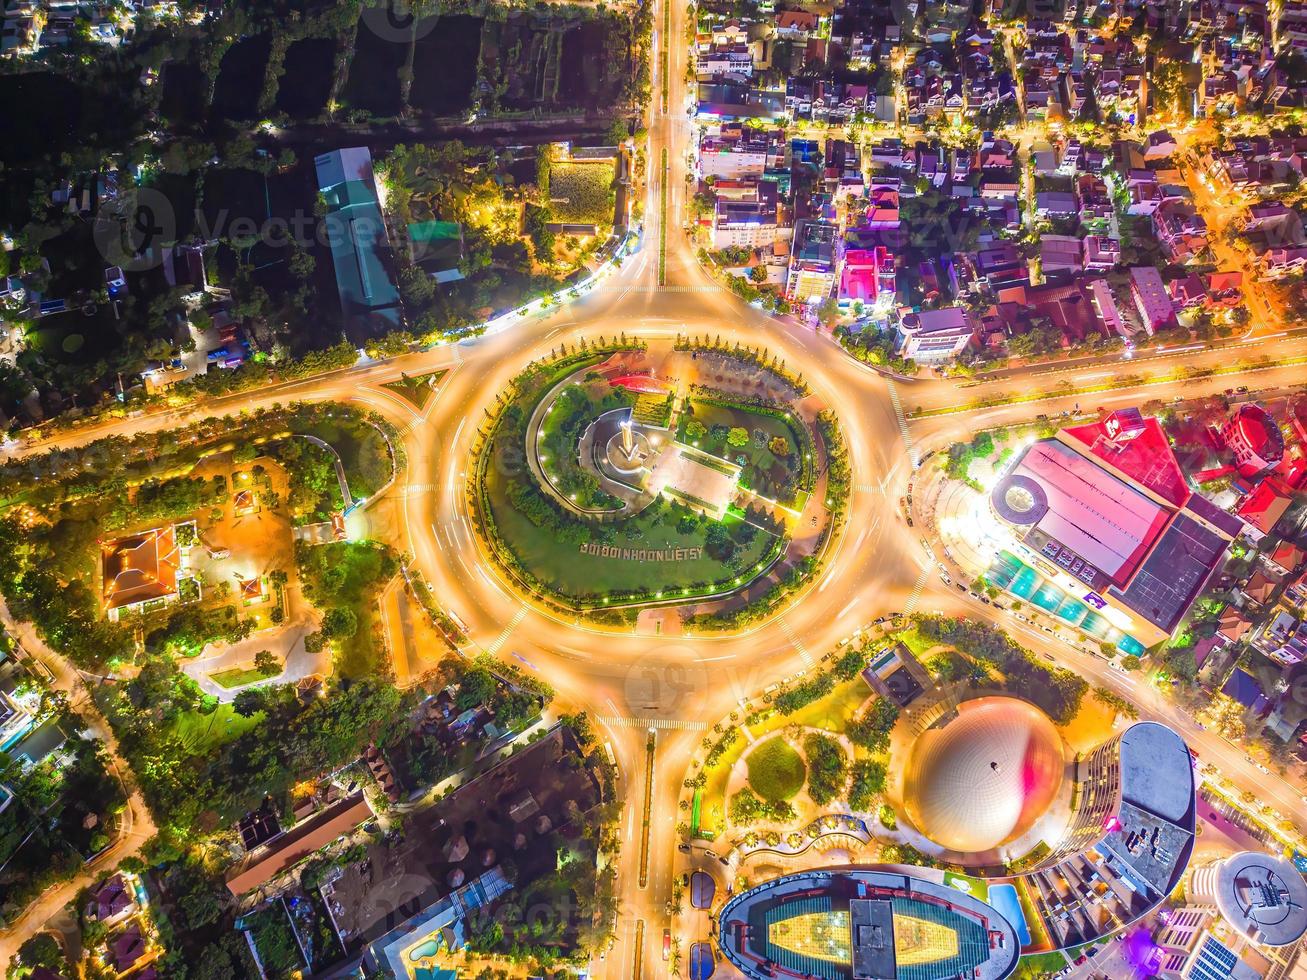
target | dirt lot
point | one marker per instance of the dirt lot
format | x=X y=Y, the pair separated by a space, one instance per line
x=407 y=873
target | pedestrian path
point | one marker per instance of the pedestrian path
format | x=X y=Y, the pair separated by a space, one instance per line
x=507 y=631
x=793 y=637
x=663 y=724
x=913 y=455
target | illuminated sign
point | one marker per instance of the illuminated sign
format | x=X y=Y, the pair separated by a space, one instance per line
x=1095 y=600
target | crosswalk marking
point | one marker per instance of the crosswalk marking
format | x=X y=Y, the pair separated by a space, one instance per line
x=512 y=625
x=793 y=637
x=915 y=597
x=913 y=455
x=869 y=488
x=665 y=724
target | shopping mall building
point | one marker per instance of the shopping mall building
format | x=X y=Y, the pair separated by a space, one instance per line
x=1105 y=532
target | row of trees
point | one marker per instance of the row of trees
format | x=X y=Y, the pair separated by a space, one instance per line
x=1055 y=690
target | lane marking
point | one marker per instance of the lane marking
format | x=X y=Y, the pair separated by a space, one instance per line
x=507 y=631
x=915 y=597
x=662 y=724
x=913 y=455
x=793 y=637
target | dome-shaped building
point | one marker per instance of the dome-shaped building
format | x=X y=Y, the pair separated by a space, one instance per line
x=986 y=777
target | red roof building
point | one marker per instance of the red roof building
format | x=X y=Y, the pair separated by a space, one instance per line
x=1135 y=446
x=140 y=568
x=1287 y=558
x=1255 y=440
x=1260 y=587
x=868 y=274
x=1263 y=508
x=1232 y=624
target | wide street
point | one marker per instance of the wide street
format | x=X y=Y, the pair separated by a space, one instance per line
x=633 y=681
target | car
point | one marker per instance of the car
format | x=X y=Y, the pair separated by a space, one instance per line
x=945 y=578
x=667 y=944
x=909 y=520
x=1243 y=390
x=962 y=588
x=984 y=600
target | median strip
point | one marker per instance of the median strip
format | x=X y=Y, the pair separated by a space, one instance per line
x=662 y=223
x=649 y=746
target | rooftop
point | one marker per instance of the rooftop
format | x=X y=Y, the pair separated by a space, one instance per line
x=1264 y=897
x=1082 y=508
x=1174 y=573
x=1141 y=452
x=859 y=924
x=140 y=567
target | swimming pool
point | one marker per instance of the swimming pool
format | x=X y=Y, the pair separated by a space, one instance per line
x=429 y=948
x=1004 y=899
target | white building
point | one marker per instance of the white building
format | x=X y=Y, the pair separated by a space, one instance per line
x=932 y=336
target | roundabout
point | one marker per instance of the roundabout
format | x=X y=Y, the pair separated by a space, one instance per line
x=622 y=475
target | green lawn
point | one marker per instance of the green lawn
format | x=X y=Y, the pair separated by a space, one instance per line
x=200 y=734
x=237 y=677
x=773 y=476
x=362 y=449
x=1039 y=965
x=562 y=567
x=416 y=389
x=581 y=192
x=350 y=574
x=776 y=770
x=831 y=713
x=712 y=816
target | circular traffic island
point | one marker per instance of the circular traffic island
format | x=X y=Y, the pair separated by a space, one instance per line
x=776 y=770
x=611 y=480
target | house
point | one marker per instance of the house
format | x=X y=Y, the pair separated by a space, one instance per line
x=1287 y=558
x=1262 y=509
x=1284 y=639
x=1232 y=624
x=795 y=25
x=1159 y=145
x=1059 y=254
x=1056 y=204
x=126 y=949
x=1101 y=253
x=111 y=901
x=140 y=568
x=868 y=275
x=1151 y=299
x=1094 y=201
x=1242 y=688
x=1260 y=588
x=1180 y=228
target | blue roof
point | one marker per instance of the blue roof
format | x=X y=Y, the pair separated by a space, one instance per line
x=1243 y=687
x=360 y=249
